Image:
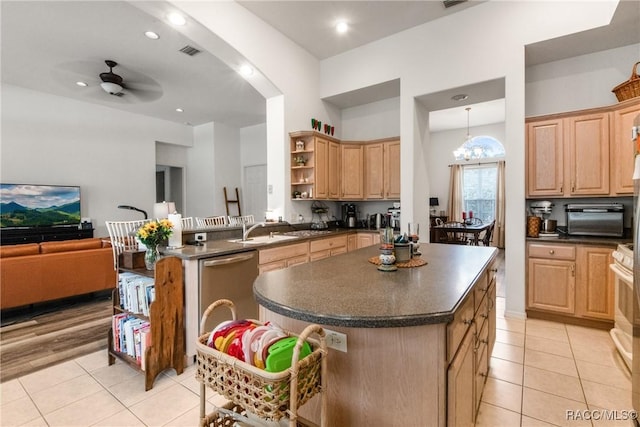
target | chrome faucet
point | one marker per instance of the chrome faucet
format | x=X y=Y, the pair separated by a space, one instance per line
x=245 y=231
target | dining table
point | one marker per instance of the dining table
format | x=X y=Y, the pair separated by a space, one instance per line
x=473 y=230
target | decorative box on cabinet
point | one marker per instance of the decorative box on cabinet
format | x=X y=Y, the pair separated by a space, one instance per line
x=167 y=349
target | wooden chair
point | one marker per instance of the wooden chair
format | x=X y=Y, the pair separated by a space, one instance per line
x=123 y=237
x=187 y=222
x=212 y=221
x=239 y=220
x=488 y=234
x=454 y=237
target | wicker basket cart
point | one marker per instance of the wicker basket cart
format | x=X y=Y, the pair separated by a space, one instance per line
x=258 y=397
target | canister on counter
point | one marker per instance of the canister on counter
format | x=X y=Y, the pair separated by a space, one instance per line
x=533 y=226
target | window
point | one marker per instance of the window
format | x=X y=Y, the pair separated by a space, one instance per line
x=479 y=186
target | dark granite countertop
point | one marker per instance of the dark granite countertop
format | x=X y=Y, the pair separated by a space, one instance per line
x=347 y=290
x=223 y=246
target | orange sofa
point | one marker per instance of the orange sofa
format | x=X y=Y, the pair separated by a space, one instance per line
x=37 y=272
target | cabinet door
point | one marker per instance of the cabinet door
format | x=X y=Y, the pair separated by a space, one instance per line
x=588 y=145
x=595 y=293
x=321 y=169
x=374 y=171
x=461 y=385
x=364 y=240
x=622 y=149
x=545 y=158
x=392 y=170
x=352 y=242
x=551 y=285
x=333 y=171
x=352 y=171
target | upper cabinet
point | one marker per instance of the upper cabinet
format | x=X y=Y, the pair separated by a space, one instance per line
x=622 y=148
x=326 y=168
x=352 y=171
x=581 y=154
x=588 y=144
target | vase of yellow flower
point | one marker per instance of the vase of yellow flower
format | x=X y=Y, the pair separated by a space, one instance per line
x=152 y=234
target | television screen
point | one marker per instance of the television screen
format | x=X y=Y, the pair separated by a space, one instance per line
x=39 y=205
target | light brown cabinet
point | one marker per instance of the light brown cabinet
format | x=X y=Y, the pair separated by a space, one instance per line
x=326 y=168
x=622 y=148
x=334 y=174
x=362 y=240
x=283 y=256
x=581 y=154
x=352 y=162
x=588 y=145
x=545 y=158
x=382 y=170
x=326 y=247
x=595 y=293
x=571 y=280
x=470 y=340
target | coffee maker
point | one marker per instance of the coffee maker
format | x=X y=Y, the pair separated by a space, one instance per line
x=349 y=215
x=394 y=218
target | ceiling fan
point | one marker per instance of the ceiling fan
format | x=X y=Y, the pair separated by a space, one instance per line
x=111 y=82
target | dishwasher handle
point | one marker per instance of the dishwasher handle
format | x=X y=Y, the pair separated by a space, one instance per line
x=228 y=260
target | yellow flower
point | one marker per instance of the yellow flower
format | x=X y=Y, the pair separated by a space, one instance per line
x=154 y=233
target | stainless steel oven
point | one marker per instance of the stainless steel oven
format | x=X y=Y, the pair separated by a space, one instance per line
x=622 y=333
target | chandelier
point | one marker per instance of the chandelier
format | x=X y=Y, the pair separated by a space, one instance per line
x=469 y=150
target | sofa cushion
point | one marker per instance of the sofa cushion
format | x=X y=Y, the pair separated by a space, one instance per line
x=70 y=245
x=7 y=251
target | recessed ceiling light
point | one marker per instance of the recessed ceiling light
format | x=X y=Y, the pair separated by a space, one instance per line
x=176 y=19
x=246 y=70
x=342 y=27
x=460 y=97
x=82 y=84
x=179 y=110
x=152 y=35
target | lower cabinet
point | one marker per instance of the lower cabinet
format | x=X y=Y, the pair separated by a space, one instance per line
x=571 y=280
x=470 y=340
x=283 y=256
x=326 y=247
x=362 y=240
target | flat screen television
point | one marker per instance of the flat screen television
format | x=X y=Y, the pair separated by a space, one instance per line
x=24 y=205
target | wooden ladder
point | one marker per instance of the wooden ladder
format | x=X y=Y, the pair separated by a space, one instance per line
x=228 y=202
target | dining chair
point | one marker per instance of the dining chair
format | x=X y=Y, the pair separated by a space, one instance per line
x=485 y=239
x=454 y=237
x=187 y=222
x=212 y=221
x=239 y=220
x=123 y=237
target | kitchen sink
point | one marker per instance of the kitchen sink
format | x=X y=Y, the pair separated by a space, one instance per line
x=264 y=240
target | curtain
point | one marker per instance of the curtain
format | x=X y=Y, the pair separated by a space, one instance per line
x=456 y=202
x=498 y=233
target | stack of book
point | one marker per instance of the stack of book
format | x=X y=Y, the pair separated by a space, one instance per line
x=136 y=293
x=131 y=336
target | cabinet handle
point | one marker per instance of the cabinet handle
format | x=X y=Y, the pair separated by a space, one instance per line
x=551 y=251
x=468 y=322
x=573 y=270
x=494 y=270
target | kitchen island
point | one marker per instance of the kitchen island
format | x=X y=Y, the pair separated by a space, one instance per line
x=418 y=339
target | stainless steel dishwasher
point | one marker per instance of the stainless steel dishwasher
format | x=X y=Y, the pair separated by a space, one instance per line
x=230 y=277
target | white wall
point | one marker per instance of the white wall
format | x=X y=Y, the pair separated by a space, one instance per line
x=580 y=82
x=371 y=121
x=200 y=177
x=253 y=145
x=226 y=167
x=111 y=154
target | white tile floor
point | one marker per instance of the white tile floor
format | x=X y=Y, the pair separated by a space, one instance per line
x=539 y=370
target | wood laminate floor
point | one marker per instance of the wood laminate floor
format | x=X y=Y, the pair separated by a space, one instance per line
x=35 y=338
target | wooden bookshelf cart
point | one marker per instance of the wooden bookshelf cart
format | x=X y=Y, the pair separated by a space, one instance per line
x=166 y=315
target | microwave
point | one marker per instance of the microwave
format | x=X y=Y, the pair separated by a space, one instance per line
x=595 y=219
